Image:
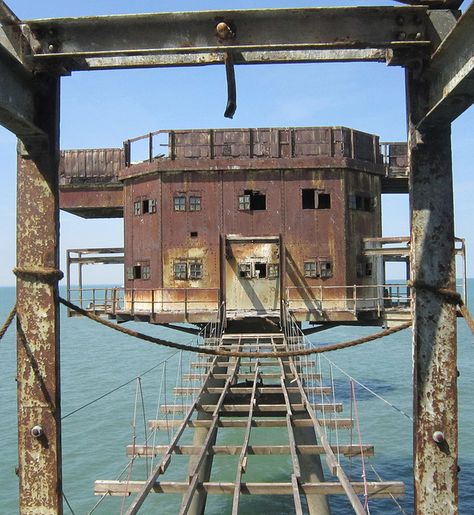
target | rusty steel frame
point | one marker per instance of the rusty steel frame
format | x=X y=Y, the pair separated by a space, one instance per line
x=446 y=77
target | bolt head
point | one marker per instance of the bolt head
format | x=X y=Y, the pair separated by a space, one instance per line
x=36 y=431
x=438 y=437
x=224 y=31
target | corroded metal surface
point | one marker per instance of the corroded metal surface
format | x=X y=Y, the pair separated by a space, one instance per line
x=38 y=320
x=434 y=330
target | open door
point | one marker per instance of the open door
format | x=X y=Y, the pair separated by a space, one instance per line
x=252 y=276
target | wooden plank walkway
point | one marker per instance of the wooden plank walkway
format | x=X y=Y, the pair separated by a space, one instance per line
x=254 y=395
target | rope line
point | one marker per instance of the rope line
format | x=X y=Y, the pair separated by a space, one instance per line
x=8 y=321
x=45 y=273
x=237 y=354
x=451 y=296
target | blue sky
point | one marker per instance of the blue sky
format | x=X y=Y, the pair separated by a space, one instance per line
x=101 y=109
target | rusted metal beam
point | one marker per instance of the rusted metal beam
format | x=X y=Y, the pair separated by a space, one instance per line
x=39 y=411
x=18 y=91
x=434 y=318
x=255 y=36
x=450 y=74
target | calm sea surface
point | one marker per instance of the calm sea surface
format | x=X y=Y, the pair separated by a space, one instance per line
x=96 y=360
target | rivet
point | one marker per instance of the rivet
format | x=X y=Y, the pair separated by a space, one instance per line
x=438 y=436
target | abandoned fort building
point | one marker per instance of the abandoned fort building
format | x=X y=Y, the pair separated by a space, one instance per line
x=240 y=221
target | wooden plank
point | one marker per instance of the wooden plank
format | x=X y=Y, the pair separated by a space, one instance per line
x=257 y=450
x=190 y=390
x=263 y=362
x=199 y=377
x=341 y=423
x=381 y=489
x=231 y=408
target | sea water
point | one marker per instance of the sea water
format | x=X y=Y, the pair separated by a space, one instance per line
x=96 y=360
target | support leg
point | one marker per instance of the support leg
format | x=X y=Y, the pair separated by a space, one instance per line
x=434 y=320
x=39 y=413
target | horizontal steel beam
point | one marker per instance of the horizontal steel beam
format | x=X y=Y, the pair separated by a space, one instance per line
x=18 y=94
x=450 y=74
x=253 y=36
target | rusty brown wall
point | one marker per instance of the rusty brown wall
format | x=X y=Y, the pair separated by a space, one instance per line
x=165 y=236
x=143 y=233
x=313 y=233
x=360 y=224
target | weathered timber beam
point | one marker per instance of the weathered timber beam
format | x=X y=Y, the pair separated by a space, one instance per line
x=18 y=96
x=164 y=425
x=256 y=450
x=256 y=36
x=229 y=408
x=374 y=489
x=450 y=74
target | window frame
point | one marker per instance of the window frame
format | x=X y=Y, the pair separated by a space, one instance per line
x=179 y=203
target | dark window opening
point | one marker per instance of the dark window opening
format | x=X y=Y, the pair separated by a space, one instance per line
x=195 y=270
x=368 y=268
x=308 y=199
x=149 y=206
x=180 y=270
x=137 y=208
x=312 y=199
x=325 y=269
x=179 y=203
x=137 y=272
x=260 y=270
x=193 y=234
x=258 y=201
x=361 y=203
x=194 y=203
x=324 y=201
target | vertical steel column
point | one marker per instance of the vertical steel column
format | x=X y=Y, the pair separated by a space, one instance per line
x=39 y=413
x=434 y=318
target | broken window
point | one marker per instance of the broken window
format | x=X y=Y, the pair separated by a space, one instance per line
x=273 y=270
x=193 y=234
x=194 y=203
x=179 y=203
x=149 y=206
x=145 y=272
x=195 y=270
x=137 y=272
x=314 y=199
x=260 y=270
x=310 y=269
x=245 y=270
x=137 y=208
x=180 y=270
x=252 y=201
x=244 y=202
x=325 y=269
x=361 y=202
